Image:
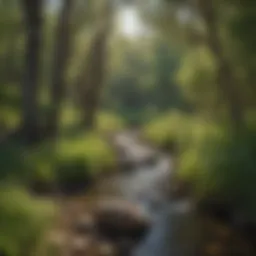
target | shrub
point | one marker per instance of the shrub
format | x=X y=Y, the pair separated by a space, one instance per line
x=27 y=164
x=105 y=121
x=219 y=164
x=168 y=131
x=23 y=221
x=81 y=158
x=70 y=116
x=72 y=161
x=222 y=165
x=108 y=122
x=11 y=161
x=41 y=168
x=9 y=106
x=196 y=157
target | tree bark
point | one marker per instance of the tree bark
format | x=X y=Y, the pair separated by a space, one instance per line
x=91 y=78
x=95 y=79
x=226 y=80
x=61 y=57
x=33 y=22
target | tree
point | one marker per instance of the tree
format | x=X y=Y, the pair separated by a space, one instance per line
x=95 y=77
x=33 y=22
x=201 y=22
x=61 y=57
x=91 y=77
x=166 y=93
x=226 y=80
x=240 y=25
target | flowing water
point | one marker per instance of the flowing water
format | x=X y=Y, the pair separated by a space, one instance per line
x=147 y=183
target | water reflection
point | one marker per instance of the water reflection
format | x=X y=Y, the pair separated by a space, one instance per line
x=175 y=232
x=175 y=227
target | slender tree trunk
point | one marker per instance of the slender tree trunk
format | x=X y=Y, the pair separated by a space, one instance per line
x=33 y=21
x=226 y=80
x=95 y=79
x=92 y=74
x=61 y=58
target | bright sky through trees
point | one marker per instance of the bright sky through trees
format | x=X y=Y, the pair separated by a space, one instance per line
x=129 y=22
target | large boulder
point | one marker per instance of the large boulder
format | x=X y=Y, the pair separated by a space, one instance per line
x=84 y=225
x=117 y=220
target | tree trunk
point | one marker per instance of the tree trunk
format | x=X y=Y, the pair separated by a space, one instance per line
x=95 y=78
x=91 y=78
x=226 y=80
x=33 y=21
x=61 y=58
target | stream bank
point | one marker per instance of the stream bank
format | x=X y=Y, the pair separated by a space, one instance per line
x=145 y=182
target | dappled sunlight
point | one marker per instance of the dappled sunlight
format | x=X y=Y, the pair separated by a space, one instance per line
x=130 y=24
x=127 y=127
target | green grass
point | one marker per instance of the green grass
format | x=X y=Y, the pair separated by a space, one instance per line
x=23 y=220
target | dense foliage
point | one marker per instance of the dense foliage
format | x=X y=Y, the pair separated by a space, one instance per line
x=215 y=143
x=69 y=78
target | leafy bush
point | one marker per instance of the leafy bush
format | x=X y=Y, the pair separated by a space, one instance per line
x=168 y=130
x=9 y=106
x=81 y=158
x=222 y=165
x=197 y=78
x=108 y=122
x=196 y=156
x=219 y=164
x=70 y=116
x=23 y=221
x=25 y=164
x=11 y=161
x=72 y=161
x=10 y=117
x=105 y=121
x=90 y=149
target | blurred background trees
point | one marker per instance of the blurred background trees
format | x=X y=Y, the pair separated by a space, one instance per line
x=215 y=154
x=184 y=71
